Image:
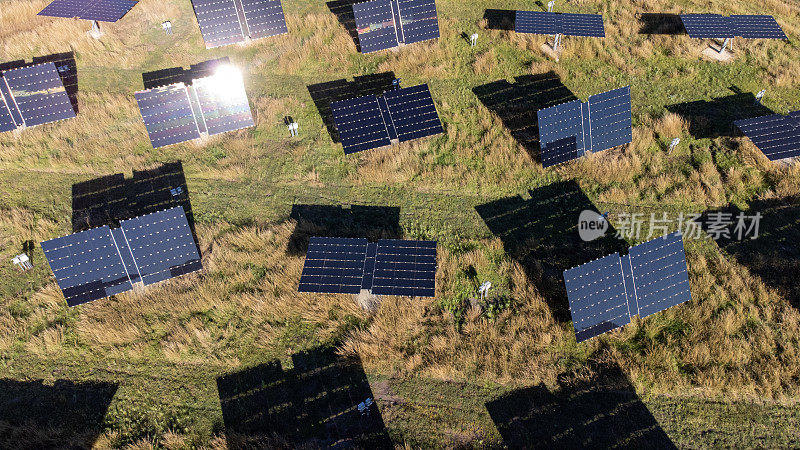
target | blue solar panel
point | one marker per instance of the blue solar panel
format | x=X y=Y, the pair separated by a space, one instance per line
x=162 y=245
x=87 y=265
x=360 y=124
x=597 y=297
x=537 y=22
x=219 y=22
x=107 y=10
x=6 y=120
x=39 y=94
x=703 y=26
x=334 y=266
x=376 y=26
x=418 y=20
x=264 y=18
x=406 y=268
x=125 y=254
x=65 y=8
x=369 y=266
x=757 y=27
x=586 y=25
x=387 y=118
x=777 y=136
x=413 y=113
x=561 y=133
x=223 y=102
x=550 y=23
x=610 y=119
x=167 y=114
x=660 y=278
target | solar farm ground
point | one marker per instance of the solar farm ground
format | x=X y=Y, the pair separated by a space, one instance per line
x=225 y=356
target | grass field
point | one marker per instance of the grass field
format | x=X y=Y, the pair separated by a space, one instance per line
x=234 y=356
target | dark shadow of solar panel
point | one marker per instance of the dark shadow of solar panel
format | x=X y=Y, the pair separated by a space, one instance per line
x=39 y=94
x=757 y=27
x=702 y=26
x=375 y=24
x=585 y=25
x=162 y=245
x=87 y=265
x=610 y=119
x=537 y=22
x=715 y=118
x=597 y=297
x=167 y=114
x=264 y=18
x=107 y=10
x=661 y=23
x=68 y=71
x=343 y=10
x=413 y=113
x=334 y=266
x=418 y=20
x=65 y=8
x=500 y=19
x=777 y=136
x=218 y=21
x=225 y=108
x=405 y=268
x=561 y=133
x=659 y=274
x=360 y=124
x=40 y=414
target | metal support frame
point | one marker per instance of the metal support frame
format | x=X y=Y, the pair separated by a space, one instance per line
x=557 y=42
x=725 y=44
x=96 y=33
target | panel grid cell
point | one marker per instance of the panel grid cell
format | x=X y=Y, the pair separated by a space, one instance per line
x=39 y=94
x=584 y=25
x=167 y=114
x=65 y=8
x=6 y=120
x=334 y=266
x=777 y=136
x=264 y=18
x=561 y=133
x=418 y=20
x=703 y=26
x=659 y=274
x=360 y=124
x=537 y=22
x=405 y=268
x=223 y=102
x=757 y=27
x=413 y=113
x=376 y=26
x=610 y=119
x=219 y=22
x=107 y=10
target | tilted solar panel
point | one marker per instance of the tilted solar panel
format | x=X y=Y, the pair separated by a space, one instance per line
x=406 y=268
x=561 y=133
x=375 y=24
x=387 y=118
x=360 y=124
x=125 y=254
x=219 y=22
x=65 y=8
x=87 y=265
x=334 y=266
x=587 y=25
x=413 y=112
x=264 y=18
x=223 y=101
x=39 y=94
x=6 y=120
x=597 y=297
x=107 y=10
x=418 y=20
x=757 y=27
x=702 y=26
x=162 y=245
x=777 y=136
x=795 y=116
x=610 y=119
x=67 y=70
x=537 y=22
x=167 y=114
x=660 y=277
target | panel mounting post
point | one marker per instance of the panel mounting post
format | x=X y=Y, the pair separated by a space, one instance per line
x=725 y=45
x=95 y=33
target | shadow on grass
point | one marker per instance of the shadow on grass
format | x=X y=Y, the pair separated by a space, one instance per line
x=714 y=118
x=343 y=10
x=356 y=221
x=517 y=104
x=774 y=255
x=541 y=234
x=323 y=94
x=314 y=404
x=600 y=412
x=67 y=71
x=500 y=19
x=165 y=77
x=65 y=415
x=661 y=23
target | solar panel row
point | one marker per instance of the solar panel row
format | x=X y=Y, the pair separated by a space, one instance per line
x=567 y=131
x=101 y=262
x=606 y=293
x=221 y=24
x=369 y=122
x=550 y=23
x=388 y=267
x=777 y=136
x=384 y=24
x=702 y=26
x=100 y=10
x=33 y=95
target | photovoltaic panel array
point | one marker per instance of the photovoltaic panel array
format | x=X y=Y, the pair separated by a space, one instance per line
x=606 y=293
x=225 y=22
x=569 y=130
x=211 y=105
x=384 y=24
x=101 y=262
x=388 y=267
x=369 y=122
x=100 y=10
x=702 y=26
x=777 y=136
x=550 y=23
x=33 y=95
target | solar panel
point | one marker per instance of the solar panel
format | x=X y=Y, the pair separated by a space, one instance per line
x=360 y=124
x=375 y=24
x=167 y=114
x=223 y=102
x=65 y=8
x=757 y=27
x=703 y=26
x=586 y=25
x=107 y=10
x=6 y=120
x=413 y=113
x=406 y=268
x=777 y=136
x=87 y=265
x=418 y=20
x=162 y=245
x=537 y=22
x=219 y=22
x=660 y=278
x=125 y=254
x=387 y=118
x=67 y=70
x=264 y=18
x=39 y=94
x=334 y=266
x=561 y=133
x=610 y=119
x=597 y=297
